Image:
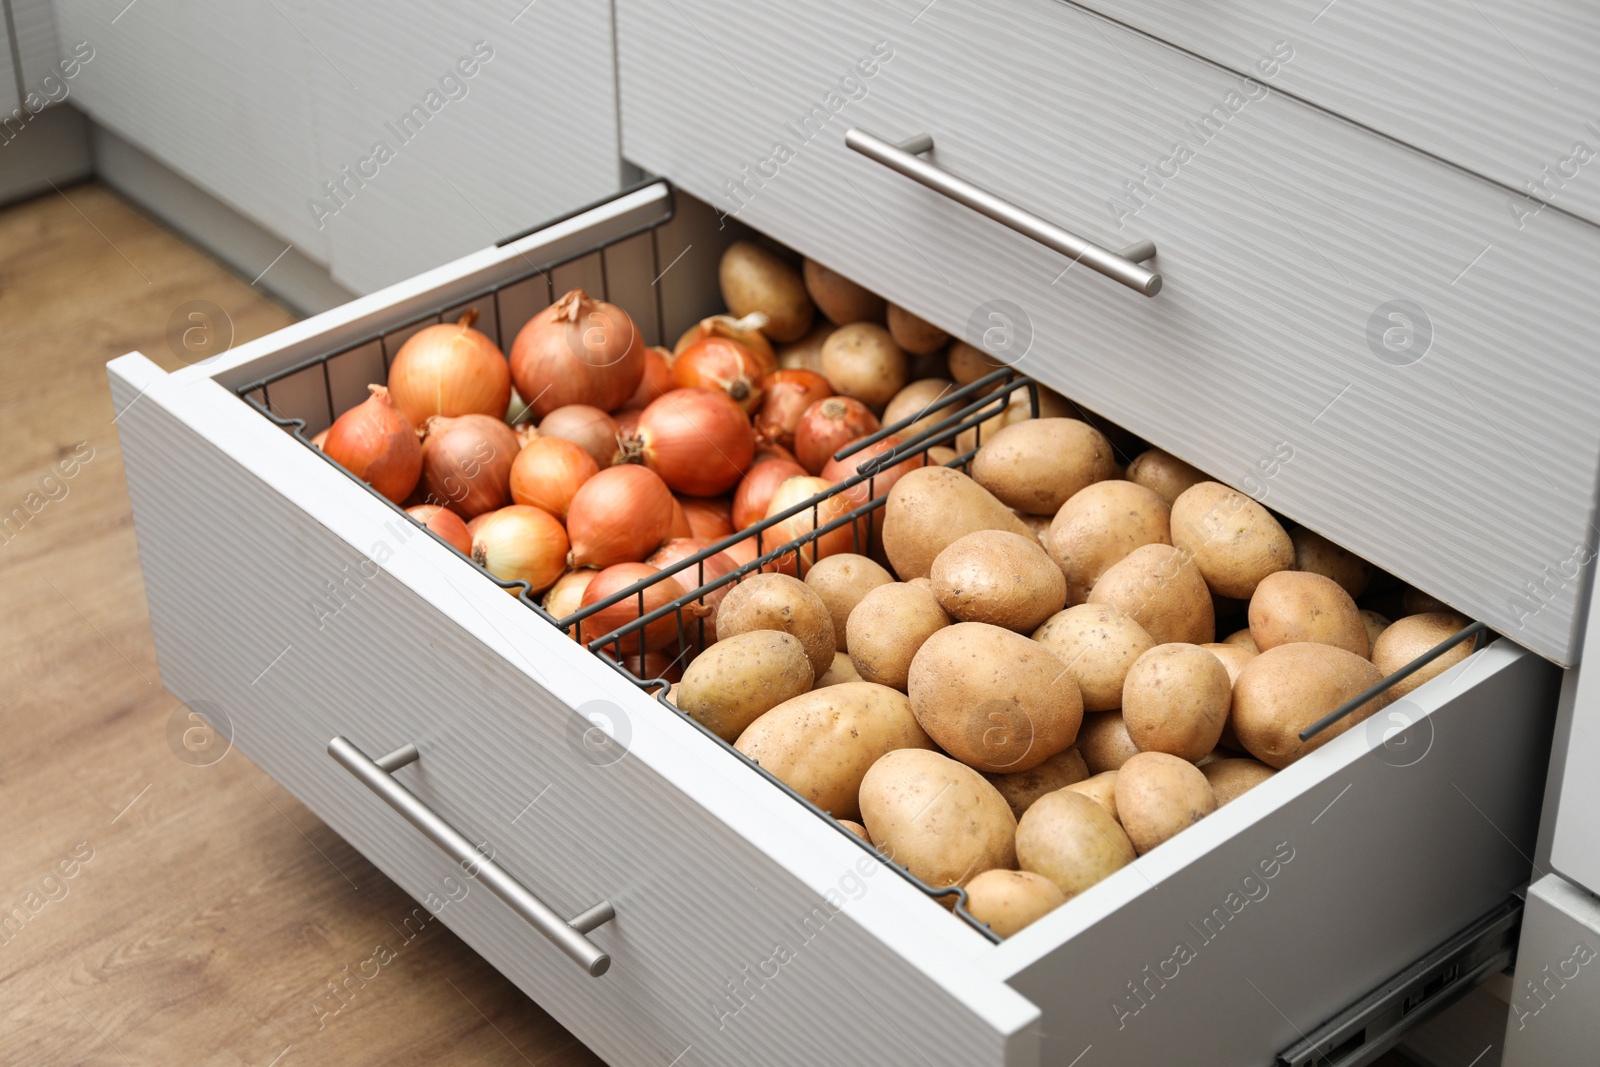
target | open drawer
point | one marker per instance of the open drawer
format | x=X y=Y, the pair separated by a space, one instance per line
x=294 y=605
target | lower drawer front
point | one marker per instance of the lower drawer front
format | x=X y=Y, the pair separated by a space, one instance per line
x=1555 y=996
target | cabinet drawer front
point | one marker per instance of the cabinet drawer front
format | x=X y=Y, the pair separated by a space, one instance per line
x=1554 y=997
x=1509 y=90
x=1355 y=333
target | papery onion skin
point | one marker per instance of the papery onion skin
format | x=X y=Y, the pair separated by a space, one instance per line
x=680 y=521
x=586 y=426
x=620 y=515
x=656 y=381
x=548 y=473
x=766 y=450
x=744 y=550
x=710 y=518
x=755 y=490
x=627 y=421
x=446 y=524
x=466 y=463
x=721 y=364
x=698 y=440
x=377 y=443
x=786 y=394
x=520 y=543
x=654 y=635
x=829 y=425
x=566 y=596
x=578 y=351
x=746 y=331
x=838 y=470
x=450 y=369
x=841 y=539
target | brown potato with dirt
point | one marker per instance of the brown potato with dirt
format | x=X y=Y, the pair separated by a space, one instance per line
x=1163 y=591
x=917 y=336
x=1317 y=554
x=1159 y=796
x=1176 y=701
x=918 y=399
x=740 y=678
x=968 y=364
x=937 y=817
x=1072 y=840
x=1410 y=637
x=839 y=298
x=754 y=278
x=779 y=602
x=929 y=509
x=821 y=743
x=995 y=700
x=1099 y=526
x=1164 y=473
x=1287 y=688
x=1008 y=901
x=1103 y=739
x=1038 y=464
x=1293 y=606
x=1023 y=788
x=862 y=360
x=998 y=577
x=1232 y=778
x=886 y=629
x=1233 y=540
x=841 y=581
x=1098 y=644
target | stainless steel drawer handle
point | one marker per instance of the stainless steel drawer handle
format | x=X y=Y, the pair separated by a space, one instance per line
x=904 y=157
x=378 y=776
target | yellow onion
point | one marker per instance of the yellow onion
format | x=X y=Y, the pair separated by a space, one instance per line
x=446 y=523
x=585 y=426
x=520 y=543
x=827 y=426
x=652 y=636
x=790 y=493
x=577 y=351
x=698 y=440
x=746 y=331
x=619 y=516
x=710 y=518
x=377 y=443
x=548 y=472
x=566 y=596
x=755 y=490
x=450 y=369
x=466 y=463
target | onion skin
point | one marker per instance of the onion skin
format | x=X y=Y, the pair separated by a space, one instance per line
x=566 y=596
x=446 y=524
x=656 y=381
x=841 y=539
x=578 y=351
x=718 y=363
x=786 y=394
x=466 y=463
x=746 y=331
x=586 y=426
x=548 y=473
x=627 y=421
x=870 y=526
x=377 y=443
x=655 y=635
x=621 y=515
x=655 y=665
x=766 y=450
x=698 y=440
x=696 y=575
x=744 y=551
x=520 y=543
x=829 y=425
x=755 y=490
x=710 y=518
x=450 y=369
x=680 y=522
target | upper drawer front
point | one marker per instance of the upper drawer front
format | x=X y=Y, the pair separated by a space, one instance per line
x=1358 y=335
x=1508 y=88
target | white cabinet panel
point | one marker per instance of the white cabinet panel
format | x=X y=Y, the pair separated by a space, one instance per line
x=447 y=126
x=221 y=94
x=33 y=22
x=1555 y=995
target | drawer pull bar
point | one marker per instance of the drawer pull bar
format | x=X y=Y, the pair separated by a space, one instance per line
x=904 y=157
x=376 y=775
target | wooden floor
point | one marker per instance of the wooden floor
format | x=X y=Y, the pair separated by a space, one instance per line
x=207 y=911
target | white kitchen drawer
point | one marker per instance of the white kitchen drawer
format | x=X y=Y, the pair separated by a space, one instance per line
x=1503 y=87
x=1555 y=994
x=1379 y=847
x=1303 y=258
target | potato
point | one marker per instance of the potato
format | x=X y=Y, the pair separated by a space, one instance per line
x=1163 y=591
x=938 y=818
x=1038 y=464
x=1232 y=778
x=929 y=509
x=968 y=364
x=1103 y=739
x=1287 y=688
x=1099 y=526
x=821 y=743
x=779 y=602
x=1007 y=901
x=1293 y=606
x=915 y=335
x=993 y=699
x=839 y=298
x=1166 y=474
x=1160 y=795
x=1415 y=602
x=740 y=678
x=1375 y=624
x=754 y=278
x=1072 y=840
x=1233 y=658
x=1019 y=408
x=1176 y=700
x=919 y=399
x=886 y=629
x=862 y=360
x=1101 y=788
x=842 y=671
x=925 y=584
x=841 y=581
x=855 y=828
x=806 y=353
x=1409 y=638
x=1317 y=554
x=939 y=455
x=1098 y=644
x=1243 y=639
x=1234 y=540
x=1025 y=787
x=998 y=577
x=1039 y=524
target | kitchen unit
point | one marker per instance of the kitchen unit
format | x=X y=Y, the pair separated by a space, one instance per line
x=1228 y=246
